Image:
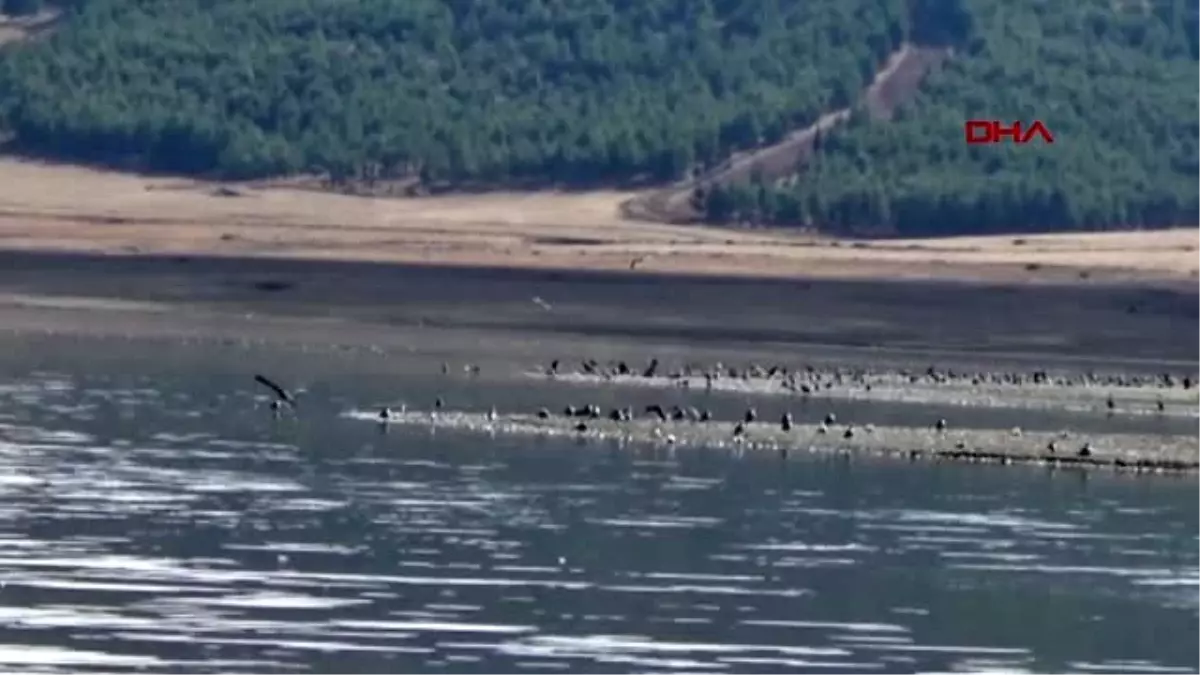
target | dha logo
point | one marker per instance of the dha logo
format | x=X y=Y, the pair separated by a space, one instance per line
x=980 y=132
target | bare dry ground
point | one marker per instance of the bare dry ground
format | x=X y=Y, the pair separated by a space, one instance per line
x=66 y=208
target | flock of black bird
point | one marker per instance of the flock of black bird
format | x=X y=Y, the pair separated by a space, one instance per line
x=804 y=380
x=677 y=413
x=809 y=379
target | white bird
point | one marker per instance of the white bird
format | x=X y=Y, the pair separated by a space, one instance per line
x=537 y=300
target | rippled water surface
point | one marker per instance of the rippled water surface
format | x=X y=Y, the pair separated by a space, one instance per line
x=153 y=517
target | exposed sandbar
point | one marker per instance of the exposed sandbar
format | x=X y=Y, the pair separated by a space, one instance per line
x=1142 y=399
x=1133 y=452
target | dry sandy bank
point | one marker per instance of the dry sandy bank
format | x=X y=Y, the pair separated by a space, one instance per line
x=64 y=208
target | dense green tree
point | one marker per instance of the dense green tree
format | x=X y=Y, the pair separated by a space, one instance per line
x=569 y=91
x=1115 y=83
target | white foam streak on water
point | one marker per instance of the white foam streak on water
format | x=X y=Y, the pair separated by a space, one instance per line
x=835 y=625
x=982 y=670
x=636 y=644
x=272 y=601
x=706 y=590
x=954 y=649
x=800 y=663
x=697 y=577
x=1069 y=569
x=108 y=586
x=816 y=548
x=434 y=626
x=294 y=547
x=661 y=522
x=1125 y=667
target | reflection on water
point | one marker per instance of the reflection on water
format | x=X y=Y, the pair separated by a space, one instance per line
x=166 y=523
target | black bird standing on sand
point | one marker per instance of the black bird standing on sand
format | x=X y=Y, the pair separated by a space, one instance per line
x=739 y=429
x=651 y=369
x=1086 y=450
x=751 y=415
x=283 y=396
x=786 y=422
x=941 y=424
x=658 y=412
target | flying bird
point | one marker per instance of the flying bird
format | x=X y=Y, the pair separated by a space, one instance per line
x=637 y=261
x=283 y=396
x=537 y=300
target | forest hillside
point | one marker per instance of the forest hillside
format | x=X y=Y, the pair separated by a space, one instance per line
x=579 y=93
x=1115 y=82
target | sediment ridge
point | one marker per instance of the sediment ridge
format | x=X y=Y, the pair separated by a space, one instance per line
x=1125 y=452
x=1168 y=394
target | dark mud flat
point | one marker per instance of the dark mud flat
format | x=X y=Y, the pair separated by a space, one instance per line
x=1130 y=452
x=1085 y=326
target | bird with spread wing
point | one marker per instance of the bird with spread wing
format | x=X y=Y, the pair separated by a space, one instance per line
x=282 y=396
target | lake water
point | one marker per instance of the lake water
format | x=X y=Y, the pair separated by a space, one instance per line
x=153 y=518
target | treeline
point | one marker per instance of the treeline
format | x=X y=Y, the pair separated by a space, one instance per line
x=564 y=91
x=1115 y=82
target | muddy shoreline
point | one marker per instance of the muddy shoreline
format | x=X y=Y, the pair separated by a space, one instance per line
x=1125 y=328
